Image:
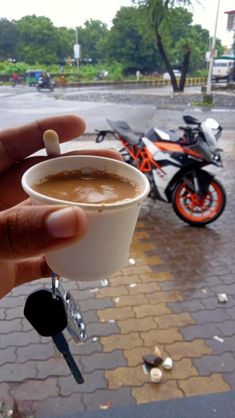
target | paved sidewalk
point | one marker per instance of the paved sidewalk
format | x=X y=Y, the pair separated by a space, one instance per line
x=168 y=298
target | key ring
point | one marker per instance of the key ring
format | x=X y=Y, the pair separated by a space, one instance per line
x=76 y=326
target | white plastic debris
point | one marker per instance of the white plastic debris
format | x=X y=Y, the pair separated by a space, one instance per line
x=104 y=282
x=132 y=285
x=157 y=352
x=94 y=290
x=222 y=298
x=116 y=300
x=145 y=369
x=204 y=291
x=132 y=261
x=94 y=339
x=155 y=375
x=111 y=321
x=221 y=340
x=167 y=363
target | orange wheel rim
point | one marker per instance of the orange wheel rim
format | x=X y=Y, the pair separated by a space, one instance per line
x=197 y=209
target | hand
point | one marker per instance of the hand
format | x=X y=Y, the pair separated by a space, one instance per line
x=27 y=232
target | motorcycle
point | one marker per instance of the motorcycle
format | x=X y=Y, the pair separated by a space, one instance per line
x=174 y=162
x=45 y=83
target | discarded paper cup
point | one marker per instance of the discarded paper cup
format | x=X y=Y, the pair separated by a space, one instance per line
x=105 y=247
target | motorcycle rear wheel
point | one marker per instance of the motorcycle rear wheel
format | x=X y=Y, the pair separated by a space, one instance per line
x=199 y=211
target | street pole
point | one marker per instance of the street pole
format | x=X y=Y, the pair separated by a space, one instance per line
x=208 y=87
x=77 y=44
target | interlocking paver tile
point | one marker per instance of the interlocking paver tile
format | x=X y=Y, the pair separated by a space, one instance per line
x=151 y=310
x=121 y=342
x=137 y=324
x=158 y=277
x=185 y=349
x=186 y=306
x=227 y=327
x=182 y=370
x=165 y=297
x=57 y=406
x=144 y=288
x=122 y=279
x=151 y=392
x=126 y=376
x=11 y=372
x=8 y=356
x=36 y=390
x=9 y=326
x=128 y=300
x=112 y=291
x=116 y=313
x=200 y=385
x=101 y=399
x=101 y=361
x=215 y=364
x=22 y=339
x=174 y=320
x=100 y=329
x=34 y=352
x=93 y=381
x=206 y=316
x=159 y=336
x=206 y=330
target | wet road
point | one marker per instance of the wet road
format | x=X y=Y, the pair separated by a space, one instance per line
x=24 y=104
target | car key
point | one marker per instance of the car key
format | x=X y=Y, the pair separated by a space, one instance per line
x=63 y=347
x=47 y=314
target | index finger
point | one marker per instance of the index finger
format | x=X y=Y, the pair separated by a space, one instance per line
x=18 y=143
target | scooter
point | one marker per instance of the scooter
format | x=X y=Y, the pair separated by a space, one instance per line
x=47 y=84
x=174 y=165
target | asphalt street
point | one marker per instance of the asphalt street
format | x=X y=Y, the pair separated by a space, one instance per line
x=23 y=104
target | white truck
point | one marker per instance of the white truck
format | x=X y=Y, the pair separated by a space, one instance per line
x=223 y=69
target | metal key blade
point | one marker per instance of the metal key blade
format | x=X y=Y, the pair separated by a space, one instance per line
x=63 y=347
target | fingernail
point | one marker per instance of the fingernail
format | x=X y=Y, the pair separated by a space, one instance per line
x=62 y=223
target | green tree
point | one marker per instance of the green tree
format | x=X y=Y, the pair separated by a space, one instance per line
x=92 y=37
x=171 y=33
x=37 y=40
x=65 y=39
x=127 y=44
x=9 y=39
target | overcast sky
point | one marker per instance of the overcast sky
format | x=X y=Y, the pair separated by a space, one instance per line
x=72 y=13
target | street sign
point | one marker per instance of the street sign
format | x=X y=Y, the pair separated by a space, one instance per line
x=77 y=51
x=231 y=20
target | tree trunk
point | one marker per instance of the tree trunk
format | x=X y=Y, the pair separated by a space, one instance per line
x=167 y=62
x=184 y=71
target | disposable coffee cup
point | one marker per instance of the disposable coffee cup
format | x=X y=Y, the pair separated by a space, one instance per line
x=105 y=247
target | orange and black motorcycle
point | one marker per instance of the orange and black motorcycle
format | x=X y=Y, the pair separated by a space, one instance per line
x=173 y=163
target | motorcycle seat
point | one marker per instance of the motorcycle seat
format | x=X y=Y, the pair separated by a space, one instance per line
x=124 y=130
x=155 y=134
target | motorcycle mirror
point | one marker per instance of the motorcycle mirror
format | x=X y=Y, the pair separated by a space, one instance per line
x=212 y=123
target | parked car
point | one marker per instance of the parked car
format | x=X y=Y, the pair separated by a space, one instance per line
x=166 y=76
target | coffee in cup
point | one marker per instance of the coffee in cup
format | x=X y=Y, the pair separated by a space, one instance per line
x=104 y=248
x=87 y=186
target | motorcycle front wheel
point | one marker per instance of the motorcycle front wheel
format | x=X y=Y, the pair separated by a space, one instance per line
x=199 y=210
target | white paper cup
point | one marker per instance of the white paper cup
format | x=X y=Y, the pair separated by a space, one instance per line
x=105 y=247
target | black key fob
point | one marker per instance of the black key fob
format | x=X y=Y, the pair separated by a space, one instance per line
x=45 y=313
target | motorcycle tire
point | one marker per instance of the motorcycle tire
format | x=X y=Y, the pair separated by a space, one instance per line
x=199 y=211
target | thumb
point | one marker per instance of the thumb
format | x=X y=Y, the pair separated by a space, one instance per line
x=26 y=231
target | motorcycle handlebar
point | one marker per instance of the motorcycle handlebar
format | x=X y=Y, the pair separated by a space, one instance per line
x=102 y=134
